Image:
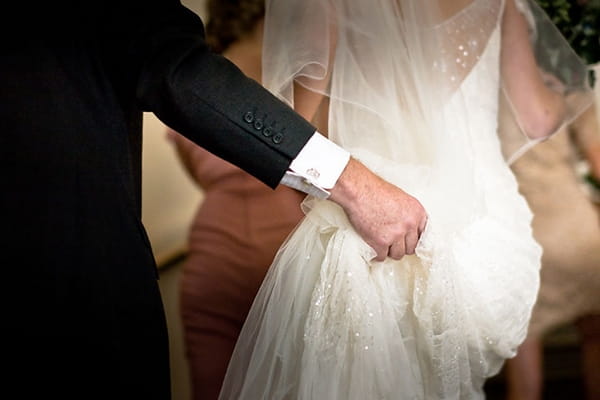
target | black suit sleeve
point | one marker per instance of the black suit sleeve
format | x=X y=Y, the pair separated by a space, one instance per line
x=204 y=96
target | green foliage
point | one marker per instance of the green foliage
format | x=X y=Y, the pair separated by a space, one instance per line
x=593 y=182
x=579 y=22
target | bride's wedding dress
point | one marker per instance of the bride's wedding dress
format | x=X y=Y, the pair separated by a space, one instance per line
x=328 y=323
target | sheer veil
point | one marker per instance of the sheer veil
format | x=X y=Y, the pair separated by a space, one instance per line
x=378 y=65
x=563 y=71
x=328 y=323
x=387 y=70
x=429 y=47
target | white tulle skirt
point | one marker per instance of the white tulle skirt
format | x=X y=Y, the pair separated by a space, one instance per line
x=328 y=323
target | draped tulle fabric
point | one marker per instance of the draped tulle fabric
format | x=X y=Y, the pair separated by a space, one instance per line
x=563 y=70
x=411 y=89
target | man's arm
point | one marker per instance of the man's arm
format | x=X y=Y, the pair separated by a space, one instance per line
x=387 y=218
x=207 y=99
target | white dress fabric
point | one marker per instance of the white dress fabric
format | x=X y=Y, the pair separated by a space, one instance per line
x=330 y=324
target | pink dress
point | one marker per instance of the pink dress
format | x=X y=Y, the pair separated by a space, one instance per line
x=232 y=241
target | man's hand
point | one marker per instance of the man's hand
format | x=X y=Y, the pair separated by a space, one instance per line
x=387 y=218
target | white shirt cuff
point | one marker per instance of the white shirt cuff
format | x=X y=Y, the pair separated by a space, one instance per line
x=317 y=167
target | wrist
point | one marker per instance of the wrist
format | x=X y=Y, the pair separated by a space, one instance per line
x=346 y=190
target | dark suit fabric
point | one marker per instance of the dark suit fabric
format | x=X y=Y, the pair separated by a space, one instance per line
x=85 y=318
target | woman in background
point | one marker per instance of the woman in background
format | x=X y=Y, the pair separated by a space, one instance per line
x=239 y=225
x=567 y=225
